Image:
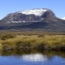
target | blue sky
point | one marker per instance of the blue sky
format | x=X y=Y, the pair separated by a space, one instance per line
x=10 y=6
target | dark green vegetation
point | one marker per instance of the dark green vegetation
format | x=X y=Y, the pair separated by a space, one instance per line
x=21 y=52
x=28 y=41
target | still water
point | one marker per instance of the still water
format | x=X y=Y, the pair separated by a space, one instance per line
x=35 y=58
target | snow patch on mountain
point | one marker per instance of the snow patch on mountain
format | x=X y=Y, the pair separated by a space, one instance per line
x=37 y=12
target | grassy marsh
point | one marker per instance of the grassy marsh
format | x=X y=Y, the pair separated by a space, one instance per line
x=40 y=42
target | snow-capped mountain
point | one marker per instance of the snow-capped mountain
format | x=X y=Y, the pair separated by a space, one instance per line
x=34 y=19
x=34 y=15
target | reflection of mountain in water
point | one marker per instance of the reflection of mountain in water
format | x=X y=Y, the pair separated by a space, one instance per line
x=34 y=57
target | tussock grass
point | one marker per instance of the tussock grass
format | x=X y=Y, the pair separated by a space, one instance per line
x=40 y=42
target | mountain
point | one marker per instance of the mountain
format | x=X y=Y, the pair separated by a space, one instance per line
x=34 y=15
x=36 y=19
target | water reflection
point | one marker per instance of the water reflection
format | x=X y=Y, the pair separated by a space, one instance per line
x=34 y=57
x=18 y=57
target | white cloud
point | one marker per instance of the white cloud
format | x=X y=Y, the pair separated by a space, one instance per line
x=63 y=18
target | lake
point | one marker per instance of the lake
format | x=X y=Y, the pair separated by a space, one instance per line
x=32 y=58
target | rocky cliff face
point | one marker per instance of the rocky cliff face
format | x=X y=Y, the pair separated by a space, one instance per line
x=34 y=15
